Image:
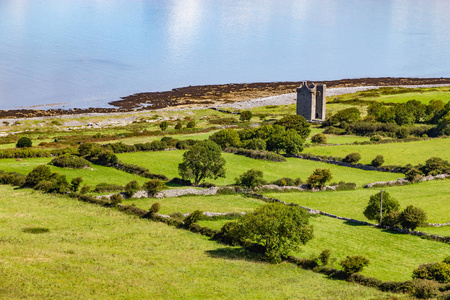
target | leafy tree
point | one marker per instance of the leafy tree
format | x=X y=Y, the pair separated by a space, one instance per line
x=402 y=132
x=164 y=125
x=107 y=158
x=319 y=177
x=412 y=217
x=354 y=264
x=255 y=144
x=38 y=174
x=436 y=165
x=226 y=138
x=439 y=271
x=298 y=123
x=153 y=186
x=372 y=210
x=377 y=161
x=352 y=158
x=404 y=115
x=246 y=116
x=178 y=126
x=203 y=160
x=89 y=149
x=75 y=184
x=250 y=179
x=24 y=142
x=343 y=117
x=191 y=124
x=278 y=228
x=131 y=188
x=289 y=141
x=319 y=138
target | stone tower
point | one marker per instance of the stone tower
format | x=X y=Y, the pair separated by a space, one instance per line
x=311 y=101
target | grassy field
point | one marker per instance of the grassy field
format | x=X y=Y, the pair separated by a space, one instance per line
x=91 y=252
x=187 y=204
x=166 y=162
x=394 y=153
x=392 y=256
x=432 y=196
x=97 y=174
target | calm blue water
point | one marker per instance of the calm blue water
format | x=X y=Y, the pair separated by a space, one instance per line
x=84 y=53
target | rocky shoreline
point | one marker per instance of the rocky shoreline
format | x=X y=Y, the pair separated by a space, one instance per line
x=233 y=95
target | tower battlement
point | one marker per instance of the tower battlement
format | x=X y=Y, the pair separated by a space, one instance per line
x=311 y=101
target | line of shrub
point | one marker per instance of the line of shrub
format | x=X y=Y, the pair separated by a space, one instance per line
x=256 y=154
x=34 y=152
x=138 y=170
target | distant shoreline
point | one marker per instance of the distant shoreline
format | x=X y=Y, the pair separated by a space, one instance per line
x=215 y=95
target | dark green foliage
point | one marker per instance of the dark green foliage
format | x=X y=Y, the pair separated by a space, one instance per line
x=255 y=144
x=425 y=289
x=35 y=230
x=229 y=233
x=376 y=138
x=250 y=179
x=85 y=189
x=116 y=199
x=412 y=217
x=38 y=174
x=153 y=186
x=344 y=117
x=24 y=142
x=264 y=155
x=288 y=141
x=286 y=181
x=372 y=211
x=246 y=116
x=435 y=166
x=402 y=132
x=413 y=174
x=191 y=124
x=447 y=260
x=319 y=177
x=89 y=149
x=138 y=170
x=354 y=264
x=226 y=138
x=75 y=184
x=108 y=187
x=131 y=188
x=352 y=158
x=297 y=123
x=334 y=130
x=377 y=161
x=70 y=161
x=12 y=178
x=319 y=138
x=439 y=271
x=277 y=228
x=163 y=125
x=193 y=218
x=106 y=158
x=324 y=256
x=404 y=115
x=154 y=209
x=178 y=126
x=391 y=219
x=203 y=160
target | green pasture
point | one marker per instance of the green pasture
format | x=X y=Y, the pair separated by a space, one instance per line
x=392 y=256
x=166 y=162
x=424 y=95
x=137 y=139
x=97 y=174
x=394 y=153
x=188 y=204
x=431 y=196
x=90 y=252
x=338 y=139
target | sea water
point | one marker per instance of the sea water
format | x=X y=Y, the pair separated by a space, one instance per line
x=85 y=53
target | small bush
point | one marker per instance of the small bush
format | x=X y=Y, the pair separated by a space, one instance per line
x=439 y=271
x=319 y=177
x=154 y=209
x=352 y=158
x=36 y=230
x=319 y=138
x=255 y=144
x=447 y=260
x=38 y=174
x=354 y=264
x=250 y=179
x=85 y=189
x=153 y=186
x=178 y=126
x=163 y=125
x=70 y=161
x=193 y=218
x=107 y=187
x=131 y=188
x=246 y=116
x=324 y=256
x=412 y=217
x=425 y=289
x=24 y=142
x=116 y=199
x=75 y=184
x=377 y=161
x=345 y=186
x=392 y=219
x=413 y=175
x=286 y=181
x=191 y=124
x=376 y=138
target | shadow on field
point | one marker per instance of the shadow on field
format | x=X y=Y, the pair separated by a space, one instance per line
x=235 y=253
x=354 y=224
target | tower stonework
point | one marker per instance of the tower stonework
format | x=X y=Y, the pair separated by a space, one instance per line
x=311 y=101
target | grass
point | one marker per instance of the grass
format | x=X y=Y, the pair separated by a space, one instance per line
x=431 y=196
x=91 y=252
x=187 y=204
x=394 y=153
x=97 y=174
x=166 y=162
x=392 y=256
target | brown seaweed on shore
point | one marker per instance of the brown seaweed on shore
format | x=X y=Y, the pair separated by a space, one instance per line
x=204 y=95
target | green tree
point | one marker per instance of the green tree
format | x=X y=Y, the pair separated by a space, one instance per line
x=319 y=138
x=24 y=142
x=203 y=160
x=75 y=184
x=131 y=188
x=319 y=177
x=412 y=217
x=377 y=161
x=191 y=124
x=153 y=186
x=289 y=141
x=352 y=158
x=164 y=125
x=344 y=117
x=372 y=210
x=278 y=228
x=246 y=116
x=38 y=174
x=298 y=123
x=250 y=179
x=226 y=138
x=354 y=264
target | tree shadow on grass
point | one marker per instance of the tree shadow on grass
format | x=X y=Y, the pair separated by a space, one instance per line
x=235 y=253
x=355 y=224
